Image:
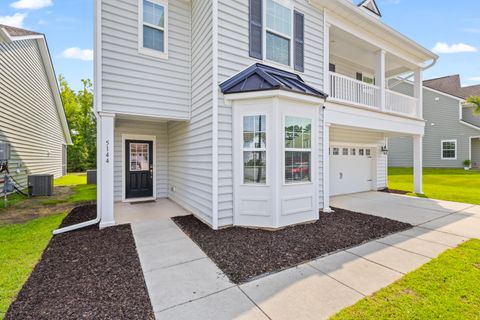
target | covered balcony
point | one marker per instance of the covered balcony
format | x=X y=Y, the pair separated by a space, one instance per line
x=362 y=75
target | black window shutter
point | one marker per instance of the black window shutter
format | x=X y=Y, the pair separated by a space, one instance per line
x=359 y=76
x=299 y=41
x=255 y=29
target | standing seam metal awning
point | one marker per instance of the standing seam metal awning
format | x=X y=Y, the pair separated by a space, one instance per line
x=260 y=77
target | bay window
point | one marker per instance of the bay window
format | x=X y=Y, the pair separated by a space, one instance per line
x=254 y=149
x=298 y=149
x=153 y=18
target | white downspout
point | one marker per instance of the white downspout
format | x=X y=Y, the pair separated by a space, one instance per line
x=99 y=216
x=98 y=104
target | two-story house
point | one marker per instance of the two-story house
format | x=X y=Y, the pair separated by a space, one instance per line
x=452 y=132
x=249 y=112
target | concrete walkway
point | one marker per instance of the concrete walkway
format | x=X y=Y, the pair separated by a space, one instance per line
x=184 y=283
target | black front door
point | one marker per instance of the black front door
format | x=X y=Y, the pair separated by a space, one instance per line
x=139 y=169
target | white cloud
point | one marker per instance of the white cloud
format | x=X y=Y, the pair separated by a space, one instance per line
x=475 y=79
x=14 y=21
x=31 y=4
x=443 y=47
x=77 y=53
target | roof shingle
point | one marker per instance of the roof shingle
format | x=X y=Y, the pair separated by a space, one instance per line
x=18 y=32
x=453 y=86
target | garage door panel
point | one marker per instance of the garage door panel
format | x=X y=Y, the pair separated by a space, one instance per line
x=351 y=170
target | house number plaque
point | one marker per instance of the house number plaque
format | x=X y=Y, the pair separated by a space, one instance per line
x=107 y=144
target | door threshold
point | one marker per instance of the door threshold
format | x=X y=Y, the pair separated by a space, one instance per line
x=137 y=200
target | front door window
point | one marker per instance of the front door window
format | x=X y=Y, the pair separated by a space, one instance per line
x=139 y=157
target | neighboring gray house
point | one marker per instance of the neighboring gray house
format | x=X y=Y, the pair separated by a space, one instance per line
x=32 y=119
x=219 y=105
x=452 y=132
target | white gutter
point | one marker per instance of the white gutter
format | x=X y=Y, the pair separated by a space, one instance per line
x=407 y=78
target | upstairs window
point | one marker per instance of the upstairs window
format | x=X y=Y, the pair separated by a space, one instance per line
x=153 y=28
x=279 y=32
x=449 y=149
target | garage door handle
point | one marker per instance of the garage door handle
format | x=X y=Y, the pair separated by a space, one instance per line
x=341 y=175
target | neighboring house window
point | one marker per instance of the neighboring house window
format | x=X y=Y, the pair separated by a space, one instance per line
x=298 y=149
x=449 y=149
x=254 y=149
x=153 y=34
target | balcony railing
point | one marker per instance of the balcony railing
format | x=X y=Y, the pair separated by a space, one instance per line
x=400 y=103
x=350 y=90
x=357 y=92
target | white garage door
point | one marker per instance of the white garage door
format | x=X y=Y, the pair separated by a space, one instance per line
x=351 y=170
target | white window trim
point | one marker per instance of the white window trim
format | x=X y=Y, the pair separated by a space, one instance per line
x=243 y=149
x=456 y=149
x=285 y=149
x=288 y=4
x=148 y=51
x=124 y=164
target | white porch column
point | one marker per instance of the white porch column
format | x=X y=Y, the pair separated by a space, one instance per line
x=418 y=163
x=326 y=58
x=105 y=131
x=418 y=91
x=326 y=167
x=380 y=78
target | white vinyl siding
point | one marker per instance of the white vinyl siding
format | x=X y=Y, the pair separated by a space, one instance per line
x=29 y=119
x=137 y=84
x=190 y=143
x=233 y=58
x=132 y=127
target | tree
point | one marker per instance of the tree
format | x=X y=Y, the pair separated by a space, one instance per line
x=474 y=102
x=81 y=121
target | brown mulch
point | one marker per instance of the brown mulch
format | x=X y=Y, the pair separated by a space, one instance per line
x=393 y=191
x=86 y=274
x=244 y=254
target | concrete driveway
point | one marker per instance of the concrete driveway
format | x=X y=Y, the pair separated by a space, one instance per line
x=183 y=283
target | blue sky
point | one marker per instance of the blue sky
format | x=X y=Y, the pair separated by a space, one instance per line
x=452 y=27
x=66 y=23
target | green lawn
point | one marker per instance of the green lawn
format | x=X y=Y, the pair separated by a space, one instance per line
x=445 y=288
x=22 y=244
x=443 y=184
x=21 y=247
x=76 y=181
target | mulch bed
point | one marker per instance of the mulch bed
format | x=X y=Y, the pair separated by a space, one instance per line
x=386 y=190
x=244 y=254
x=86 y=274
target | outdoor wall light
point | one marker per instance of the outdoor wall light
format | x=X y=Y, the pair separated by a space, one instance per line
x=385 y=150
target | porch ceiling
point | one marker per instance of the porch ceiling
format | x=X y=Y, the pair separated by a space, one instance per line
x=363 y=54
